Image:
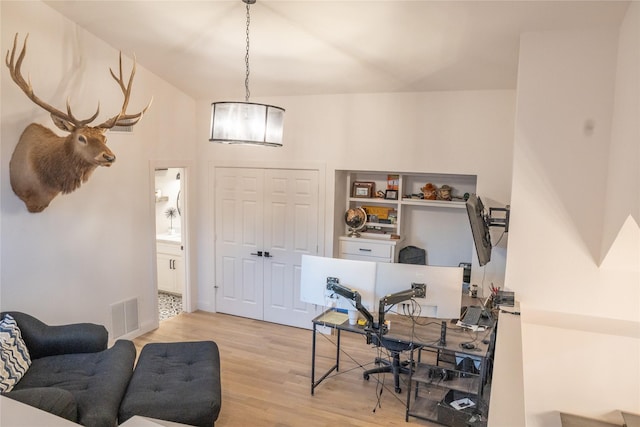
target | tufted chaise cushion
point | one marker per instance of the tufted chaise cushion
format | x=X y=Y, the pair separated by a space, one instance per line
x=177 y=382
x=97 y=381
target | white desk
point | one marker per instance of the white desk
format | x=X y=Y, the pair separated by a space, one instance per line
x=18 y=414
x=138 y=421
x=507 y=388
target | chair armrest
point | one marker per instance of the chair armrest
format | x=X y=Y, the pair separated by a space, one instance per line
x=43 y=340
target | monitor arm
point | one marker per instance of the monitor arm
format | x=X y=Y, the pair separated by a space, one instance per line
x=503 y=221
x=418 y=290
x=333 y=284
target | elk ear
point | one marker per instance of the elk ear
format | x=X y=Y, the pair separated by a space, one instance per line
x=63 y=124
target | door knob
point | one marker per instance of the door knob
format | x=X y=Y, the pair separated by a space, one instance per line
x=258 y=254
x=266 y=255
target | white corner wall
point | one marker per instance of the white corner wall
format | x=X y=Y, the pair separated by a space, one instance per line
x=622 y=194
x=577 y=105
x=95 y=246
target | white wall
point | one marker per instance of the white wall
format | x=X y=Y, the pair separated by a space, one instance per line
x=465 y=132
x=169 y=188
x=622 y=196
x=95 y=246
x=579 y=320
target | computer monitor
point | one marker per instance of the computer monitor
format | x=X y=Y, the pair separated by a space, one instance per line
x=444 y=287
x=357 y=275
x=479 y=222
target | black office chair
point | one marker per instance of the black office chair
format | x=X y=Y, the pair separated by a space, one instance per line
x=395 y=348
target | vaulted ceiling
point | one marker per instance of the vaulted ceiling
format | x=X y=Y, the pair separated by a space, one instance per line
x=314 y=47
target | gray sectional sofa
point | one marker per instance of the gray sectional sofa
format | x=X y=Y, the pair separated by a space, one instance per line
x=73 y=374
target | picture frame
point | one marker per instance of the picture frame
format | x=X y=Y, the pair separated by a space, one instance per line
x=391 y=194
x=363 y=189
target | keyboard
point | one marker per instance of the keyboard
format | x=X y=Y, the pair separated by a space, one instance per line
x=472 y=315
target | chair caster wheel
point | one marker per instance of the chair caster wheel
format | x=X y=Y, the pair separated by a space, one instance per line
x=365 y=376
x=398 y=390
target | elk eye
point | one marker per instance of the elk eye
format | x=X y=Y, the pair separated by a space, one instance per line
x=82 y=139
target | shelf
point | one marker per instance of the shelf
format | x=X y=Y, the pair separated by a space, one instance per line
x=377 y=200
x=424 y=408
x=381 y=225
x=435 y=386
x=379 y=236
x=411 y=202
x=469 y=384
x=417 y=221
x=434 y=203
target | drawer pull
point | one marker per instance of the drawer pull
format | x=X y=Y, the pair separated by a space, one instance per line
x=364 y=250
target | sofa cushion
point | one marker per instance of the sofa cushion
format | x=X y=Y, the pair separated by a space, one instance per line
x=97 y=381
x=51 y=399
x=14 y=356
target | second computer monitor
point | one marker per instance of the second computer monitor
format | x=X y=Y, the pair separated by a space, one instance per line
x=444 y=287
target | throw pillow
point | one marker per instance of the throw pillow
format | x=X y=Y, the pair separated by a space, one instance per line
x=14 y=356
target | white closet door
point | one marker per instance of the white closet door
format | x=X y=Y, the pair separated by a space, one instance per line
x=239 y=235
x=272 y=212
x=291 y=230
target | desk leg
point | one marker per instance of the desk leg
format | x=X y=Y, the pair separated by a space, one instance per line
x=338 y=351
x=411 y=369
x=315 y=383
x=313 y=359
x=483 y=376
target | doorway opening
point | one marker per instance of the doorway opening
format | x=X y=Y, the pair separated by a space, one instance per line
x=170 y=238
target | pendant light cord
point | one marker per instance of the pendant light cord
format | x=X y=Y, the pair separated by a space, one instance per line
x=246 y=59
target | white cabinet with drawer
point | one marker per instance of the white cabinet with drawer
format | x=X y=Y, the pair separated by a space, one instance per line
x=362 y=249
x=170 y=267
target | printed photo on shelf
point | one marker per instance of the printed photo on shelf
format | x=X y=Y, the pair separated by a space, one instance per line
x=391 y=194
x=363 y=189
x=393 y=182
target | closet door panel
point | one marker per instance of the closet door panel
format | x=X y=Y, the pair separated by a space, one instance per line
x=239 y=237
x=291 y=230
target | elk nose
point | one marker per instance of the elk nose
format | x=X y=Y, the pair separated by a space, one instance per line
x=109 y=158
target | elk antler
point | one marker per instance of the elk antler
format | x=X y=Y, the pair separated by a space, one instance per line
x=16 y=75
x=122 y=118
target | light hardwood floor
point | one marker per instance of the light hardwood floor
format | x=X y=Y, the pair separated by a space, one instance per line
x=266 y=374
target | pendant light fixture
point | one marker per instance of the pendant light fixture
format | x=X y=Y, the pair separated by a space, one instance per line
x=246 y=122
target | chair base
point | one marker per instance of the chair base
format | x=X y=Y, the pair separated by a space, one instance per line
x=394 y=366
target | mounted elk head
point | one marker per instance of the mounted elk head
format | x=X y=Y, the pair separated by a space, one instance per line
x=44 y=164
